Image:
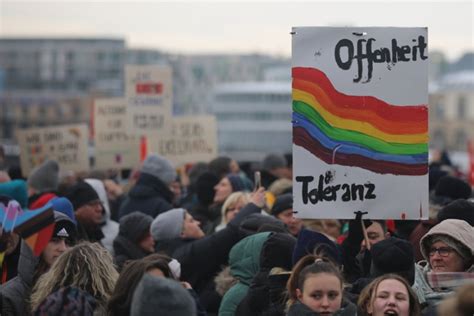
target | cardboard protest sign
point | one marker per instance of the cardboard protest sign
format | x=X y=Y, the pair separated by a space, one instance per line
x=115 y=147
x=190 y=139
x=67 y=144
x=360 y=122
x=148 y=91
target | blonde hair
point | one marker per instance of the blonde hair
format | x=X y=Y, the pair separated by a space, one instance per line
x=86 y=266
x=232 y=199
x=369 y=293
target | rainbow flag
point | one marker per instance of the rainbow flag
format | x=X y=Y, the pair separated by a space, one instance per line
x=35 y=226
x=357 y=131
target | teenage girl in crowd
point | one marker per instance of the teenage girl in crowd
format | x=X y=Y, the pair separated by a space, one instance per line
x=389 y=294
x=316 y=288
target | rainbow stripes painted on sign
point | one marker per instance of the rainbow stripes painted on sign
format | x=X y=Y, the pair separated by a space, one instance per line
x=358 y=131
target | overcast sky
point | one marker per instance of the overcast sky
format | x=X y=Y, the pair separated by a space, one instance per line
x=231 y=27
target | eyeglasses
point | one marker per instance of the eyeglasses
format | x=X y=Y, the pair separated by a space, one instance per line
x=442 y=251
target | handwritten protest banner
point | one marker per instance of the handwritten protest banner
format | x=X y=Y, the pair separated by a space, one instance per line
x=190 y=139
x=115 y=147
x=67 y=144
x=148 y=91
x=360 y=122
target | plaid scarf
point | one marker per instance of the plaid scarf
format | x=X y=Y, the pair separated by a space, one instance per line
x=449 y=280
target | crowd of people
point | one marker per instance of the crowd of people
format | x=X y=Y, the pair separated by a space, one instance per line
x=206 y=240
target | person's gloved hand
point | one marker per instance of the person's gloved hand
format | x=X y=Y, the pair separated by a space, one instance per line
x=355 y=234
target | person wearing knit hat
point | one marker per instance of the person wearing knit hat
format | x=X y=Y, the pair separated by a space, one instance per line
x=450 y=188
x=108 y=227
x=283 y=210
x=393 y=255
x=88 y=210
x=63 y=205
x=43 y=179
x=448 y=249
x=175 y=223
x=160 y=296
x=160 y=168
x=274 y=167
x=178 y=235
x=310 y=242
x=458 y=209
x=18 y=290
x=151 y=194
x=16 y=190
x=228 y=184
x=134 y=240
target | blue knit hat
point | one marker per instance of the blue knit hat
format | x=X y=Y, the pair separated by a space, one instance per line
x=63 y=205
x=236 y=182
x=309 y=241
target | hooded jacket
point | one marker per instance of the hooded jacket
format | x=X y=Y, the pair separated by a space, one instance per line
x=132 y=228
x=244 y=260
x=201 y=259
x=16 y=292
x=266 y=292
x=109 y=227
x=299 y=309
x=149 y=195
x=462 y=233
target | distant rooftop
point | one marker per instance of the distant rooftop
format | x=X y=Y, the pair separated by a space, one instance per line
x=257 y=87
x=30 y=40
x=461 y=80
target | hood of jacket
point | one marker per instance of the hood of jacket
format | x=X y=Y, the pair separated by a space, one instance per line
x=148 y=186
x=27 y=264
x=244 y=258
x=126 y=248
x=299 y=309
x=458 y=230
x=98 y=187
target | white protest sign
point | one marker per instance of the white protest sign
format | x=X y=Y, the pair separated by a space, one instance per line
x=67 y=144
x=148 y=91
x=360 y=122
x=115 y=147
x=190 y=139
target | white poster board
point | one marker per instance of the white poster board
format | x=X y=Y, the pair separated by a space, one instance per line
x=148 y=91
x=115 y=147
x=360 y=122
x=190 y=139
x=67 y=144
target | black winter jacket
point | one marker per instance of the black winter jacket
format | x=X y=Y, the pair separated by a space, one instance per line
x=149 y=195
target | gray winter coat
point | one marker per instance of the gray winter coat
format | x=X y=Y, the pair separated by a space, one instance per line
x=16 y=292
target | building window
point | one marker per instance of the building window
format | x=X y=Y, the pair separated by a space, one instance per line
x=462 y=107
